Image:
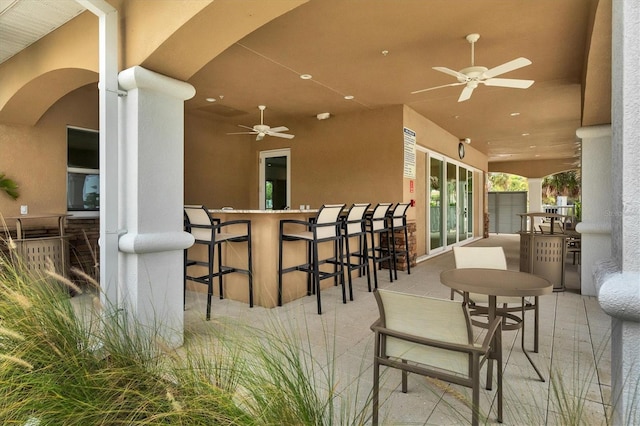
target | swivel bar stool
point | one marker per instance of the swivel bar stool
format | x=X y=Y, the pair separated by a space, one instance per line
x=356 y=259
x=378 y=228
x=213 y=233
x=325 y=228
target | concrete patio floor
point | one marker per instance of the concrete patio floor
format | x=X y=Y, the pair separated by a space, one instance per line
x=574 y=348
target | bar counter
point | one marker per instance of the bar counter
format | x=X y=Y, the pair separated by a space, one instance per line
x=264 y=249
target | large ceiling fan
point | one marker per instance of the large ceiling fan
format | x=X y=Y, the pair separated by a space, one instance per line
x=471 y=76
x=262 y=130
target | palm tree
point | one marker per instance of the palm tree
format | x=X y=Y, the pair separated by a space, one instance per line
x=9 y=186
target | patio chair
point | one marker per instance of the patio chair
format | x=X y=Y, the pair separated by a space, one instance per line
x=213 y=233
x=434 y=338
x=325 y=228
x=507 y=307
x=356 y=259
x=377 y=225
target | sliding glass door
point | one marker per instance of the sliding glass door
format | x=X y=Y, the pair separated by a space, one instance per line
x=450 y=213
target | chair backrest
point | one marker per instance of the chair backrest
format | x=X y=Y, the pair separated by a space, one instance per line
x=480 y=257
x=426 y=317
x=327 y=221
x=198 y=215
x=355 y=218
x=379 y=216
x=399 y=214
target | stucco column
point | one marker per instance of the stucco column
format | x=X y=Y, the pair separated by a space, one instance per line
x=535 y=198
x=151 y=199
x=597 y=211
x=618 y=279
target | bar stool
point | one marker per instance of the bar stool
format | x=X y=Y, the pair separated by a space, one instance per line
x=398 y=219
x=353 y=226
x=378 y=225
x=213 y=233
x=325 y=228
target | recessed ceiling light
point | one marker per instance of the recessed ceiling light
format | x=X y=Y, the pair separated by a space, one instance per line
x=526 y=134
x=532 y=146
x=349 y=97
x=306 y=76
x=210 y=99
x=514 y=114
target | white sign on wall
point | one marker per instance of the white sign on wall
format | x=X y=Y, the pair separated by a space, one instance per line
x=409 y=153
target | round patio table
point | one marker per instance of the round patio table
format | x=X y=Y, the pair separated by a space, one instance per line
x=497 y=282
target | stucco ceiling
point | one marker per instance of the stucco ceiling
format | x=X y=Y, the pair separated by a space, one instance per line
x=380 y=51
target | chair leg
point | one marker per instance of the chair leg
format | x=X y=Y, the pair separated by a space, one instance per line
x=392 y=260
x=250 y=269
x=220 y=286
x=347 y=250
x=376 y=384
x=316 y=276
x=405 y=375
x=280 y=268
x=210 y=283
x=475 y=390
x=406 y=248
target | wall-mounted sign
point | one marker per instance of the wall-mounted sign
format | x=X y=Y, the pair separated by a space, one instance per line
x=409 y=153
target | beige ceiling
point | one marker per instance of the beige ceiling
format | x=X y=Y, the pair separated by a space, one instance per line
x=341 y=44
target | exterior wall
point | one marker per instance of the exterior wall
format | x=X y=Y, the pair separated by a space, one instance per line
x=346 y=159
x=36 y=156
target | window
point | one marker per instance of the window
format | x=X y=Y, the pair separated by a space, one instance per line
x=83 y=170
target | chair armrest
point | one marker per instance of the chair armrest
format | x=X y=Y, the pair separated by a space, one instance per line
x=295 y=221
x=495 y=326
x=469 y=348
x=222 y=225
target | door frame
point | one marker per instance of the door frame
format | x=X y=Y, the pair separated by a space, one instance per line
x=264 y=155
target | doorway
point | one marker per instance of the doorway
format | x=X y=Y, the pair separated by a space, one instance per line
x=275 y=179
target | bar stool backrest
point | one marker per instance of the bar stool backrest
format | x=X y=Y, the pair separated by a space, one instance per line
x=379 y=217
x=198 y=222
x=355 y=218
x=327 y=221
x=398 y=215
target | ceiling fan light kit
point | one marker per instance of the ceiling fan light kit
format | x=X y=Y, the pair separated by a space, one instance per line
x=474 y=75
x=261 y=130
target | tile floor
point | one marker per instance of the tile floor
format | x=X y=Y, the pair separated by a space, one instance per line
x=574 y=349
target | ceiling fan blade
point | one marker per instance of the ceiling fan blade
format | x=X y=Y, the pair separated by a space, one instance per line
x=466 y=94
x=437 y=87
x=260 y=136
x=281 y=135
x=243 y=133
x=508 y=82
x=506 y=67
x=278 y=129
x=245 y=127
x=449 y=71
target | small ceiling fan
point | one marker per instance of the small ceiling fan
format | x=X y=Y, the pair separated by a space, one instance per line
x=262 y=130
x=474 y=75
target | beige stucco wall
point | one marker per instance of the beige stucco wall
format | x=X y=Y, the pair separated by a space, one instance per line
x=36 y=156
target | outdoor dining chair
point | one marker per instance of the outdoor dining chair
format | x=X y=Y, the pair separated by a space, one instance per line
x=213 y=234
x=325 y=228
x=434 y=338
x=356 y=258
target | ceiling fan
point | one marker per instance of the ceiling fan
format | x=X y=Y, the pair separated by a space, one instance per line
x=262 y=130
x=471 y=76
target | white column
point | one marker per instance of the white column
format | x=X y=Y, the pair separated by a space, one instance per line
x=597 y=211
x=151 y=200
x=618 y=279
x=535 y=198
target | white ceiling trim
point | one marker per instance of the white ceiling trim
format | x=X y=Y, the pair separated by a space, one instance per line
x=23 y=22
